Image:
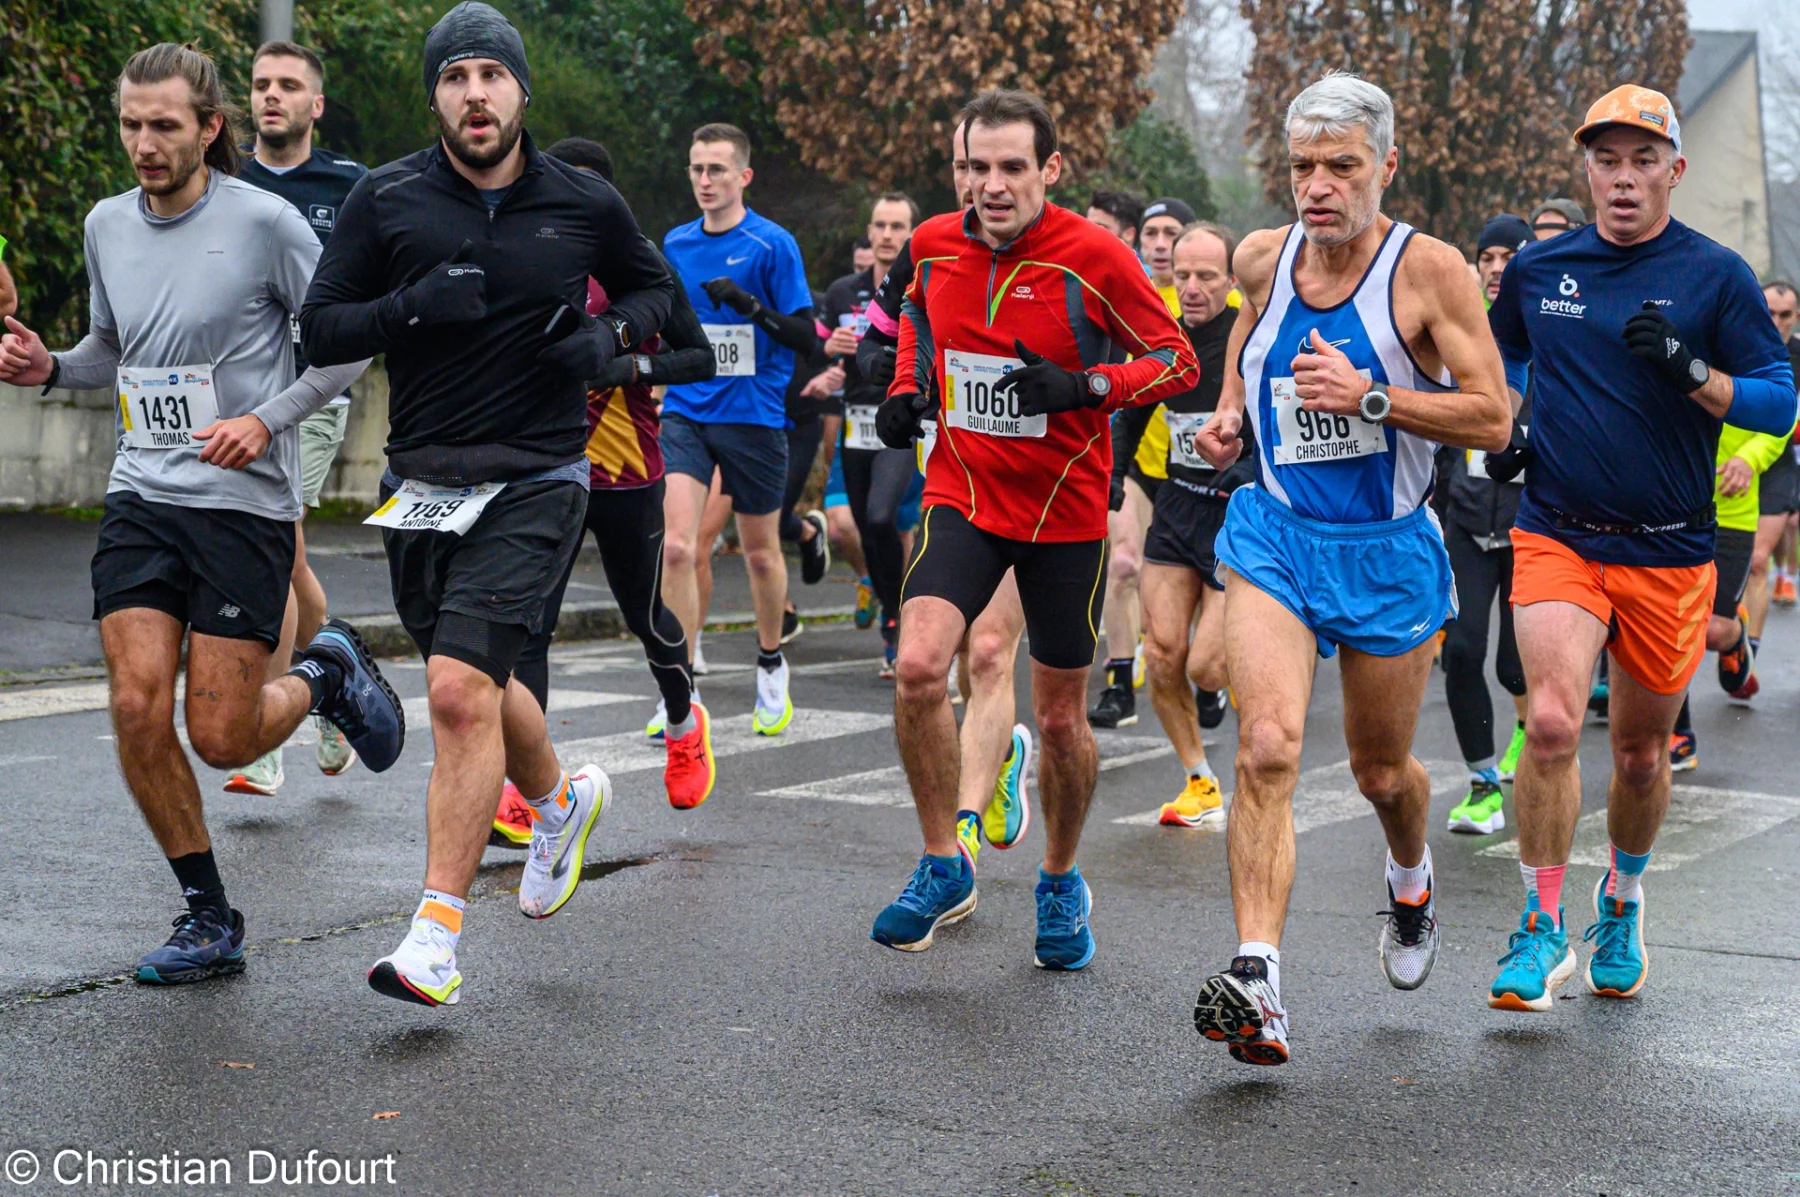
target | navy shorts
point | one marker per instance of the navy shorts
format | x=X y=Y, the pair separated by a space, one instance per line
x=751 y=459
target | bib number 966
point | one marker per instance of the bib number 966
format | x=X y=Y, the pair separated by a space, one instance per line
x=1311 y=437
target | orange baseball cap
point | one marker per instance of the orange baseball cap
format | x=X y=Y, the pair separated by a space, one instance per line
x=1639 y=107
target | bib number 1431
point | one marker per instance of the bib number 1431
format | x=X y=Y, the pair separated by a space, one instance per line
x=162 y=408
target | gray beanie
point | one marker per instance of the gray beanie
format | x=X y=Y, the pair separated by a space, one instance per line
x=474 y=30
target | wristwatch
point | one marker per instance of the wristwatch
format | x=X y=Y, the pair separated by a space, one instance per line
x=1375 y=404
x=640 y=364
x=1099 y=385
x=621 y=331
x=1699 y=371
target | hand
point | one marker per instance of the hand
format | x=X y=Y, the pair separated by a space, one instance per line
x=1326 y=381
x=621 y=371
x=454 y=292
x=586 y=351
x=1115 y=494
x=881 y=368
x=1218 y=441
x=1043 y=386
x=898 y=421
x=235 y=443
x=725 y=293
x=1735 y=476
x=1511 y=461
x=23 y=359
x=824 y=384
x=1652 y=336
x=841 y=343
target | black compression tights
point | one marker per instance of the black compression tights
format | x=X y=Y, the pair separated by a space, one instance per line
x=1481 y=576
x=876 y=482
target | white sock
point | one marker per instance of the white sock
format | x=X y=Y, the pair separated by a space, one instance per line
x=1203 y=769
x=553 y=808
x=1410 y=885
x=1270 y=955
x=676 y=731
x=446 y=910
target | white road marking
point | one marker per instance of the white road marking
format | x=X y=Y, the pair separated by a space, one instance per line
x=629 y=751
x=887 y=786
x=1328 y=794
x=1701 y=820
x=23 y=759
x=54 y=700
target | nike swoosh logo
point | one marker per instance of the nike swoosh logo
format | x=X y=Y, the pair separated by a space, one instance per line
x=562 y=859
x=736 y=261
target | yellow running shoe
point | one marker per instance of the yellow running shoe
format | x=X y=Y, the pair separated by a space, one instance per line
x=1138 y=672
x=1200 y=804
x=968 y=835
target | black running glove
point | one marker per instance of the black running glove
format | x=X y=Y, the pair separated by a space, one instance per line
x=877 y=365
x=1511 y=461
x=1043 y=386
x=584 y=350
x=1652 y=336
x=725 y=293
x=899 y=419
x=454 y=292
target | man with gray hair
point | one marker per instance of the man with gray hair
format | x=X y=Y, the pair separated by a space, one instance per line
x=1361 y=344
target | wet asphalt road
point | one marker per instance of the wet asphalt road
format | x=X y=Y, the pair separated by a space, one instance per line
x=708 y=1015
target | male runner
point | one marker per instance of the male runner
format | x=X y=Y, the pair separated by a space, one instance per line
x=194 y=279
x=744 y=275
x=1477 y=516
x=1361 y=343
x=1180 y=578
x=1018 y=479
x=287 y=87
x=444 y=261
x=1554 y=217
x=1643 y=337
x=1118 y=212
x=1779 y=494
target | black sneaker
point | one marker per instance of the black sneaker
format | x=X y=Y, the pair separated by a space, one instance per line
x=364 y=707
x=791 y=625
x=205 y=944
x=1117 y=708
x=1212 y=704
x=815 y=554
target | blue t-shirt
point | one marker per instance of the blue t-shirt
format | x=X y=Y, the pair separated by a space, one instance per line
x=1613 y=441
x=762 y=258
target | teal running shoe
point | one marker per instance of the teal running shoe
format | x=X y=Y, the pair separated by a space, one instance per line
x=1064 y=942
x=1008 y=812
x=935 y=897
x=1537 y=961
x=206 y=943
x=1620 y=961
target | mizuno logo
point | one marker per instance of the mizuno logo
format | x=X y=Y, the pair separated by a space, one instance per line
x=1419 y=627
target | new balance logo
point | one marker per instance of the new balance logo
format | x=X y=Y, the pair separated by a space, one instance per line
x=229 y=611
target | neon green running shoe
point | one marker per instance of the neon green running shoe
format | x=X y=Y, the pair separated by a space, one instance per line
x=968 y=835
x=1509 y=762
x=1479 y=813
x=1008 y=812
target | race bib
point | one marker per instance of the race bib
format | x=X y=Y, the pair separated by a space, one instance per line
x=734 y=345
x=421 y=507
x=1183 y=427
x=1311 y=437
x=971 y=404
x=162 y=407
x=856 y=322
x=859 y=427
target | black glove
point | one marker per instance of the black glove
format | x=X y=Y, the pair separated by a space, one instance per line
x=585 y=350
x=1115 y=494
x=725 y=293
x=1511 y=461
x=1043 y=386
x=881 y=368
x=1654 y=337
x=619 y=372
x=898 y=419
x=455 y=292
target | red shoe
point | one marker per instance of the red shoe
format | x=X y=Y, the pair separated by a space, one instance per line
x=691 y=771
x=1784 y=595
x=512 y=822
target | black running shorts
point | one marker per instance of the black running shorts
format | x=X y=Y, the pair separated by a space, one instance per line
x=222 y=573
x=1731 y=554
x=1182 y=529
x=1778 y=490
x=1062 y=587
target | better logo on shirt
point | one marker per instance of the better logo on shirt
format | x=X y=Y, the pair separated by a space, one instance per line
x=1568 y=291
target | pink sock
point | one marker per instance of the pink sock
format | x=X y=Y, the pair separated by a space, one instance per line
x=1549 y=888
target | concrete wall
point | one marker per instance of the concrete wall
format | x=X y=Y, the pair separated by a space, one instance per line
x=1725 y=192
x=57 y=450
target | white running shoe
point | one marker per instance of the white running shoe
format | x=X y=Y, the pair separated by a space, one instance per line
x=422 y=969
x=774 y=709
x=699 y=657
x=1240 y=1008
x=261 y=776
x=659 y=722
x=553 y=869
x=334 y=753
x=1409 y=940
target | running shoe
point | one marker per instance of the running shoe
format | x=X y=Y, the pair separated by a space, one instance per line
x=261 y=776
x=1509 y=760
x=422 y=969
x=205 y=944
x=512 y=822
x=1481 y=810
x=889 y=657
x=1008 y=813
x=1117 y=708
x=1139 y=673
x=1737 y=666
x=774 y=709
x=1538 y=959
x=1684 y=752
x=364 y=706
x=1409 y=940
x=659 y=722
x=1064 y=941
x=865 y=603
x=691 y=769
x=1784 y=594
x=334 y=753
x=968 y=834
x=553 y=870
x=1211 y=705
x=1620 y=961
x=1600 y=701
x=700 y=669
x=791 y=625
x=1200 y=803
x=933 y=898
x=955 y=688
x=1240 y=1008
x=815 y=554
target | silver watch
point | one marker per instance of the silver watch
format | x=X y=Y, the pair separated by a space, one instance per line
x=640 y=363
x=1375 y=404
x=1099 y=385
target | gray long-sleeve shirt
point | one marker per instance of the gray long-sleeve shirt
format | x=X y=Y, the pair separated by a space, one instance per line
x=214 y=286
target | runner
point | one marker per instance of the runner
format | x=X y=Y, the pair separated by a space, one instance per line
x=1017 y=480
x=1478 y=516
x=1556 y=216
x=1186 y=658
x=194 y=280
x=744 y=275
x=1779 y=490
x=287 y=86
x=1629 y=327
x=441 y=262
x=1118 y=212
x=1361 y=343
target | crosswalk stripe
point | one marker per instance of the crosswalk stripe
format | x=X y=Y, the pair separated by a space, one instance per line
x=53 y=700
x=1701 y=820
x=418 y=710
x=629 y=751
x=1327 y=794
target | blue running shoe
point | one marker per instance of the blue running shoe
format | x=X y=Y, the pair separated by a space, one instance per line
x=1063 y=905
x=1620 y=961
x=364 y=707
x=1537 y=961
x=203 y=946
x=935 y=897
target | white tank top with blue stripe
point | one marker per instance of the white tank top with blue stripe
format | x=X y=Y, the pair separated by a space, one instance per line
x=1336 y=469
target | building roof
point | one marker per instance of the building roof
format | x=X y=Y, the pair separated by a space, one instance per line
x=1716 y=53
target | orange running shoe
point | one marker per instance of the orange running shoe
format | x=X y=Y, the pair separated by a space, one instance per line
x=1784 y=595
x=691 y=771
x=512 y=822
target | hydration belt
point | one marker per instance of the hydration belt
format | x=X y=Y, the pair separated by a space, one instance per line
x=1702 y=520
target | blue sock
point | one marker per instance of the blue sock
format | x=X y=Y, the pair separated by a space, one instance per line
x=1625 y=882
x=953 y=865
x=1488 y=771
x=1074 y=872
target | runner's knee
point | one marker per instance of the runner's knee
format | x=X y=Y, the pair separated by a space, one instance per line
x=1269 y=754
x=1640 y=764
x=920 y=675
x=991 y=657
x=1380 y=780
x=1552 y=734
x=1207 y=672
x=463 y=700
